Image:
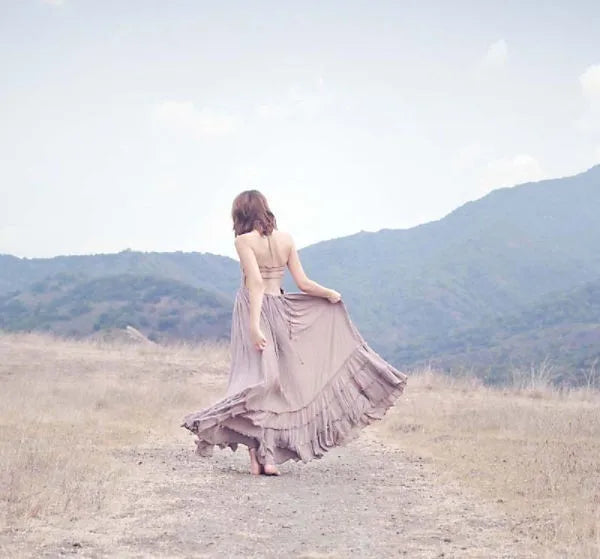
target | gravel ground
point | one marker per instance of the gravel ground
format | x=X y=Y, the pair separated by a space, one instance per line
x=363 y=500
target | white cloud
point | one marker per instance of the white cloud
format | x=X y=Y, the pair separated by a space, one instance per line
x=186 y=118
x=273 y=110
x=54 y=2
x=299 y=101
x=590 y=84
x=8 y=236
x=590 y=89
x=497 y=54
x=479 y=172
x=167 y=185
x=468 y=156
x=511 y=171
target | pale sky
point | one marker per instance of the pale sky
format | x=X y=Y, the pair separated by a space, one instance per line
x=134 y=124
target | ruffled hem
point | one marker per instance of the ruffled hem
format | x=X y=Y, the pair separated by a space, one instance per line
x=361 y=391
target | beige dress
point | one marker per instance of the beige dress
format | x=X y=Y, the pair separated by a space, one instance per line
x=313 y=387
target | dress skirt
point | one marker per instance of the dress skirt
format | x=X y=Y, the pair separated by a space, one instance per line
x=313 y=387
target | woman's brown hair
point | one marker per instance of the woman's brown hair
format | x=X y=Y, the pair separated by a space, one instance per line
x=250 y=210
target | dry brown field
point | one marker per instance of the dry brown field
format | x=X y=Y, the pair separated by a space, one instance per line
x=93 y=462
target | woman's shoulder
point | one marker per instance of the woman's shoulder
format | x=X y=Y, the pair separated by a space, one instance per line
x=254 y=236
x=282 y=234
x=243 y=238
x=284 y=237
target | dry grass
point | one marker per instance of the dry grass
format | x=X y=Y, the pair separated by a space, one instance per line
x=534 y=451
x=69 y=407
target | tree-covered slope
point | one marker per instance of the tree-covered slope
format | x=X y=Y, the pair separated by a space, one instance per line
x=489 y=256
x=410 y=291
x=208 y=271
x=78 y=306
x=562 y=328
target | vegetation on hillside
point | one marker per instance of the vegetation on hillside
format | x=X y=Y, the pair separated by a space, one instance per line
x=504 y=280
x=75 y=306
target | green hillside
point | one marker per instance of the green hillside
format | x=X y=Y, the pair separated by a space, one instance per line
x=208 y=271
x=77 y=306
x=478 y=288
x=562 y=328
x=490 y=256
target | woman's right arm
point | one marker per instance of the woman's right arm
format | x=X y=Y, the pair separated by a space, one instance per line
x=256 y=290
x=303 y=282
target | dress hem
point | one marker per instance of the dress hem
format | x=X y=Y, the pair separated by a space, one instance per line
x=362 y=390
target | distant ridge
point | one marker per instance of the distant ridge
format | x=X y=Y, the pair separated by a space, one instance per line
x=489 y=257
x=209 y=271
x=412 y=292
x=160 y=308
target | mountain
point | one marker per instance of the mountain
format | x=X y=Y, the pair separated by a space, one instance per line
x=563 y=327
x=461 y=290
x=75 y=305
x=207 y=271
x=488 y=257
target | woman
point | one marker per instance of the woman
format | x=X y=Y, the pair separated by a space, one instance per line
x=302 y=378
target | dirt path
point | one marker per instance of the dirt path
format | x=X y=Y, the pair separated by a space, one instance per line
x=365 y=500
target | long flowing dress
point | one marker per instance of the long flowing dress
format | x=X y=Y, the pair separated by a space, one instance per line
x=313 y=387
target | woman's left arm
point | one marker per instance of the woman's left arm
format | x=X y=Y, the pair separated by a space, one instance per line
x=256 y=288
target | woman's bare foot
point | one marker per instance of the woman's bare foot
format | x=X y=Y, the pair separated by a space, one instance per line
x=255 y=467
x=270 y=470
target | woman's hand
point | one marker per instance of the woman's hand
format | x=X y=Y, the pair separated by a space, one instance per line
x=258 y=338
x=333 y=296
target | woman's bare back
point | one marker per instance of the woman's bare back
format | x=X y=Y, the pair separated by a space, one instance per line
x=272 y=254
